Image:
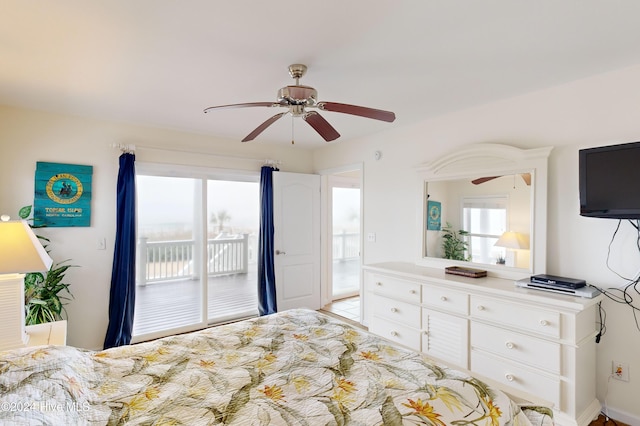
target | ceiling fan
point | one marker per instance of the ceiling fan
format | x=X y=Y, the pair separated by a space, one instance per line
x=525 y=176
x=298 y=99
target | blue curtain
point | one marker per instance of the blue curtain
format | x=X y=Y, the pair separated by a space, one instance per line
x=123 y=275
x=266 y=273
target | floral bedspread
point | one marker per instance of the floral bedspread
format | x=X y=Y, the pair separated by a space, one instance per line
x=297 y=367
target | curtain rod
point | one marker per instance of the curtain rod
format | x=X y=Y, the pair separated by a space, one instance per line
x=132 y=148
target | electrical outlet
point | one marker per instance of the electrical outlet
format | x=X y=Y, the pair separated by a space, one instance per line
x=620 y=371
x=371 y=237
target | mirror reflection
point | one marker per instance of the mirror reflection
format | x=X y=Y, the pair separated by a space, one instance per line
x=483 y=220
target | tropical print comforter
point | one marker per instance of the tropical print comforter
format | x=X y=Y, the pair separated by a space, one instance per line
x=297 y=367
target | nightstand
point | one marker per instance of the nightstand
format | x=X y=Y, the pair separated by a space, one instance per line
x=50 y=333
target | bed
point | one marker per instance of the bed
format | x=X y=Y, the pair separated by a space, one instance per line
x=297 y=367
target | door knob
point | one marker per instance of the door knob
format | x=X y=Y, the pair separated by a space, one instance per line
x=280 y=252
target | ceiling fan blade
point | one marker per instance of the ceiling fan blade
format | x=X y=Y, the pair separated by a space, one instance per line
x=376 y=114
x=244 y=105
x=484 y=179
x=251 y=136
x=321 y=126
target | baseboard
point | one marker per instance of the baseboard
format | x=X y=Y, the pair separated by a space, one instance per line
x=622 y=416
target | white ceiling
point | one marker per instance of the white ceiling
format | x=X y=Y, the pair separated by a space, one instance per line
x=161 y=62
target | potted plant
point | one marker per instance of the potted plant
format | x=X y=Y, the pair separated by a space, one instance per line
x=44 y=293
x=454 y=243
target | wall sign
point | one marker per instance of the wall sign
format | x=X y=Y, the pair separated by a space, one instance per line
x=434 y=213
x=62 y=194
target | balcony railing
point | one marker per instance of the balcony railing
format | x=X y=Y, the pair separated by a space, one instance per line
x=171 y=260
x=160 y=261
x=346 y=245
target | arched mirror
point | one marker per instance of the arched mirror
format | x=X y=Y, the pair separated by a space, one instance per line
x=484 y=206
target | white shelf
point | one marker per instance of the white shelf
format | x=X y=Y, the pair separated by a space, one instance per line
x=50 y=333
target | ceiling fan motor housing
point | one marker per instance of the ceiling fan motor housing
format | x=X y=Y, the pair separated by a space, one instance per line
x=298 y=95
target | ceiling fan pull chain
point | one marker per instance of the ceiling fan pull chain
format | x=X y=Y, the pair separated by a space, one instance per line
x=292 y=123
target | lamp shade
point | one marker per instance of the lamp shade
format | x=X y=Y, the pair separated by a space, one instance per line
x=513 y=240
x=20 y=250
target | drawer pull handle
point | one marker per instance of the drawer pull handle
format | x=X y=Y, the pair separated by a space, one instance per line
x=510 y=345
x=412 y=291
x=544 y=323
x=480 y=308
x=379 y=284
x=443 y=298
x=509 y=377
x=394 y=333
x=394 y=310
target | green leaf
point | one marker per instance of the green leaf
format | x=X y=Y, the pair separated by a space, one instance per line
x=24 y=212
x=33 y=279
x=55 y=305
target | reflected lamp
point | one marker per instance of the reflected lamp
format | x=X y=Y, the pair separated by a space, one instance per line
x=20 y=252
x=512 y=241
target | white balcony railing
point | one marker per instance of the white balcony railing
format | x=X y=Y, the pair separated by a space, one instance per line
x=346 y=245
x=171 y=260
x=160 y=261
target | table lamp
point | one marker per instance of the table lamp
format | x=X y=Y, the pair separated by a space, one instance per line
x=20 y=252
x=512 y=241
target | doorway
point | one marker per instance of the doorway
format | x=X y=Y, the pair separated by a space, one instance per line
x=344 y=225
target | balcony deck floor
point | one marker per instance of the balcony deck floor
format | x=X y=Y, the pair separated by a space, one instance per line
x=175 y=304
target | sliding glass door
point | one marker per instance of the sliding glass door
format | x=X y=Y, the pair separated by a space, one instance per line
x=196 y=251
x=169 y=281
x=233 y=224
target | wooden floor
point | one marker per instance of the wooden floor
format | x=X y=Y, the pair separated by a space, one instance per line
x=603 y=421
x=176 y=304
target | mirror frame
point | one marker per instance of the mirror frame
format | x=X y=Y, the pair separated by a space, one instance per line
x=490 y=159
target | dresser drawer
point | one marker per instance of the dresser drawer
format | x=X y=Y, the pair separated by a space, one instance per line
x=446 y=299
x=395 y=310
x=395 y=332
x=518 y=347
x=515 y=315
x=397 y=288
x=517 y=377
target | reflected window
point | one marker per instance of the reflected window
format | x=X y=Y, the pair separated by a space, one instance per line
x=485 y=218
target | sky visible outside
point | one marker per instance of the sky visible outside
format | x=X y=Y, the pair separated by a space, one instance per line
x=170 y=201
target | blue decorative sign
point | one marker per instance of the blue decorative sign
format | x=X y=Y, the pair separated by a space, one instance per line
x=62 y=195
x=434 y=213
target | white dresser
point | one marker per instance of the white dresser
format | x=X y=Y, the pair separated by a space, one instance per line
x=532 y=341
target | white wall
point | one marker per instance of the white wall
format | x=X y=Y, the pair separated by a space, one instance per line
x=30 y=136
x=601 y=110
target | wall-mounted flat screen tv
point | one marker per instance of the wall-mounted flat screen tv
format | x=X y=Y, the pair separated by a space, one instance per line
x=610 y=181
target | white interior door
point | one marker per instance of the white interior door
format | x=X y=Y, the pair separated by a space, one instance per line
x=296 y=218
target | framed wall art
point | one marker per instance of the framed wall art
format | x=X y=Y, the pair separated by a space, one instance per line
x=62 y=194
x=434 y=215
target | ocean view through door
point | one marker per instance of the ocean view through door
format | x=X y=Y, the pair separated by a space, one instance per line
x=196 y=260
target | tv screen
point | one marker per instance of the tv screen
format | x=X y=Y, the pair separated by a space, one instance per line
x=610 y=181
